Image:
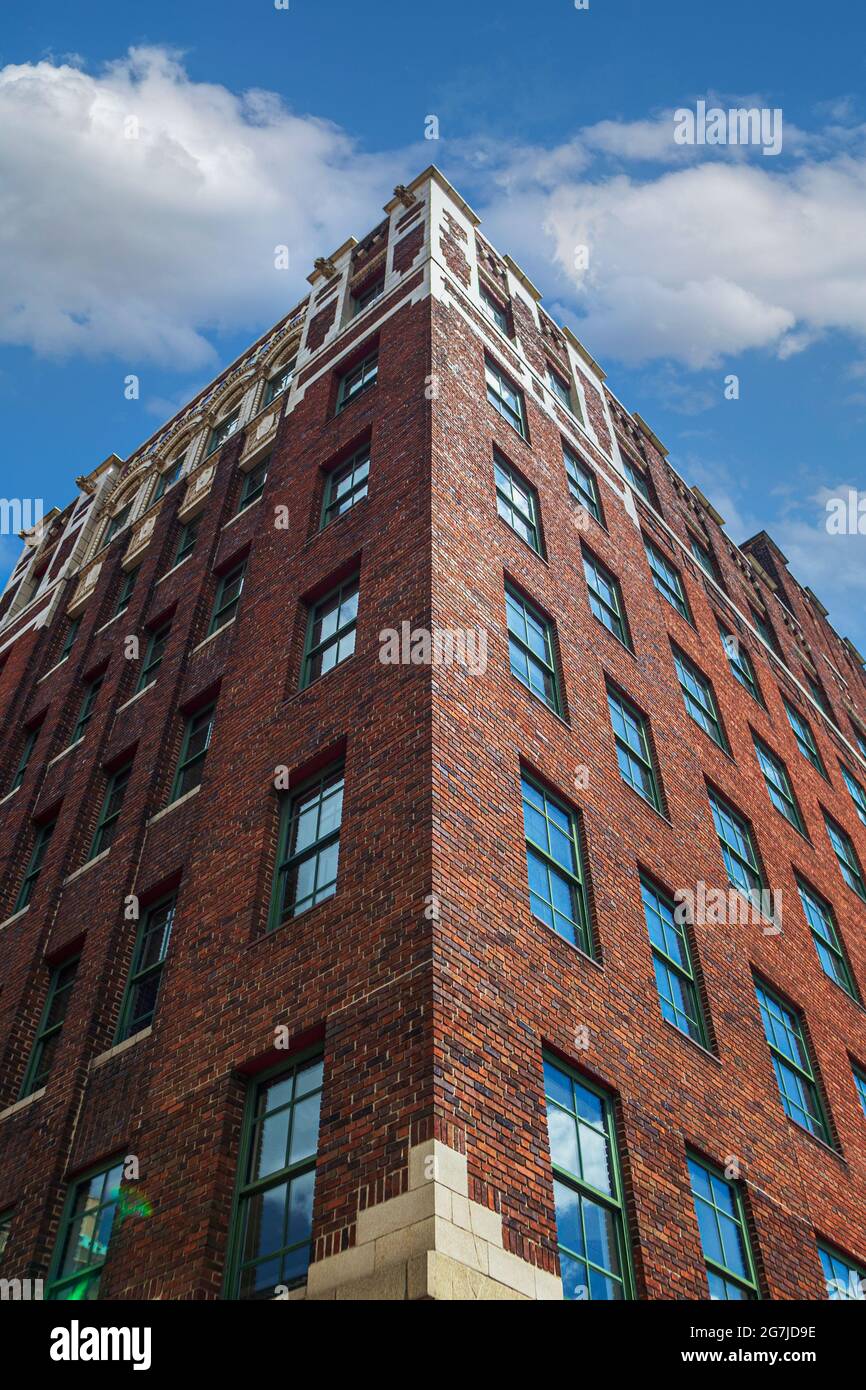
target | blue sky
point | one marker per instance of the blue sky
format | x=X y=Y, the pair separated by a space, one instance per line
x=154 y=255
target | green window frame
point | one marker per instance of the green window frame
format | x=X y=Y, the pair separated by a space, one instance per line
x=272 y=1219
x=112 y=805
x=346 y=485
x=308 y=855
x=554 y=865
x=761 y=624
x=156 y=645
x=591 y=1226
x=845 y=1280
x=817 y=693
x=186 y=541
x=699 y=698
x=368 y=295
x=634 y=748
x=228 y=596
x=169 y=477
x=638 y=479
x=846 y=855
x=778 y=783
x=85 y=711
x=582 y=484
x=605 y=598
x=740 y=663
x=279 y=382
x=5 y=1229
x=517 y=503
x=825 y=934
x=60 y=985
x=560 y=388
x=792 y=1062
x=721 y=1216
x=667 y=580
x=703 y=555
x=737 y=843
x=531 y=649
x=222 y=432
x=254 y=484
x=805 y=738
x=331 y=631
x=197 y=733
x=357 y=380
x=41 y=841
x=860 y=740
x=72 y=627
x=493 y=310
x=675 y=976
x=125 y=591
x=860 y=1086
x=89 y=1214
x=505 y=397
x=141 y=995
x=858 y=792
x=29 y=743
x=116 y=524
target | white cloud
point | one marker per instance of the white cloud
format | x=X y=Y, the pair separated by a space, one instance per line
x=138 y=247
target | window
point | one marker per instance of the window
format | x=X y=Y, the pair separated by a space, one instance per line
x=228 y=596
x=724 y=1235
x=792 y=1064
x=587 y=1188
x=148 y=958
x=30 y=737
x=637 y=478
x=505 y=397
x=125 y=592
x=605 y=598
x=703 y=555
x=116 y=523
x=858 y=792
x=762 y=626
x=531 y=649
x=822 y=925
x=346 y=485
x=847 y=856
x=517 y=503
x=816 y=692
x=309 y=847
x=740 y=663
x=845 y=1280
x=186 y=541
x=633 y=751
x=581 y=484
x=47 y=1039
x=5 y=1228
x=42 y=839
x=331 y=631
x=272 y=1223
x=861 y=740
x=860 y=1086
x=279 y=382
x=222 y=431
x=560 y=388
x=367 y=295
x=805 y=738
x=667 y=581
x=196 y=741
x=494 y=310
x=554 y=865
x=738 y=847
x=111 y=808
x=72 y=627
x=85 y=713
x=672 y=962
x=699 y=698
x=85 y=1234
x=779 y=785
x=254 y=484
x=359 y=379
x=168 y=479
x=155 y=652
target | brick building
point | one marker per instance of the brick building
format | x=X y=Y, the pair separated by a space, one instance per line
x=432 y=852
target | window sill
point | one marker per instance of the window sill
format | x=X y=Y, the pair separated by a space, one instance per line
x=120 y=1048
x=65 y=751
x=88 y=864
x=646 y=802
x=173 y=805
x=243 y=511
x=538 y=700
x=212 y=635
x=822 y=1143
x=531 y=548
x=15 y=915
x=335 y=521
x=22 y=1104
x=314 y=684
x=52 y=669
x=137 y=696
x=9 y=795
x=514 y=430
x=701 y=1047
x=612 y=635
x=365 y=390
x=110 y=621
x=172 y=570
